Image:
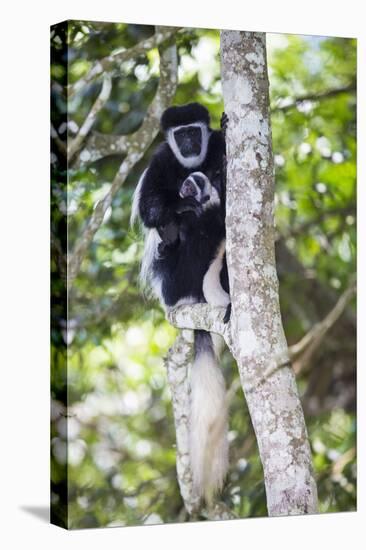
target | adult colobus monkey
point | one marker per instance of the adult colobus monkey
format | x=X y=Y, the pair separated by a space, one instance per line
x=190 y=145
x=184 y=262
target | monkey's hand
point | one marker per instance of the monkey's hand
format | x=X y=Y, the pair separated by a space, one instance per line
x=168 y=233
x=224 y=123
x=189 y=204
x=227 y=314
x=164 y=249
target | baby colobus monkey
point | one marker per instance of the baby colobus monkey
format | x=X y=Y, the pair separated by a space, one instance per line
x=184 y=262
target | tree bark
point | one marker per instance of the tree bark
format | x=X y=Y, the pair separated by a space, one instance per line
x=259 y=344
x=255 y=334
x=178 y=364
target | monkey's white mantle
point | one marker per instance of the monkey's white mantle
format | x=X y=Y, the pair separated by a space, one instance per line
x=255 y=334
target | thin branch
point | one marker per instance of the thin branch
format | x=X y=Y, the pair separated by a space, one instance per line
x=304 y=227
x=107 y=63
x=137 y=144
x=98 y=145
x=200 y=316
x=302 y=352
x=341 y=462
x=326 y=94
x=93 y=113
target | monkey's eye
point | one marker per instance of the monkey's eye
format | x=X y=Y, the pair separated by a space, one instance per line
x=200 y=181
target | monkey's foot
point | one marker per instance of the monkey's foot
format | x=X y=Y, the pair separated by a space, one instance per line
x=224 y=121
x=189 y=204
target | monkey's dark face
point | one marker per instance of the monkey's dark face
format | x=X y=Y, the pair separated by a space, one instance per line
x=189 y=143
x=189 y=140
x=198 y=186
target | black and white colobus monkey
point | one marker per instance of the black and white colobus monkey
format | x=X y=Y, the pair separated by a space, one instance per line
x=190 y=145
x=184 y=262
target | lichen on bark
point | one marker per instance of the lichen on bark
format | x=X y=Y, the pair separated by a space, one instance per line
x=178 y=364
x=255 y=334
x=259 y=344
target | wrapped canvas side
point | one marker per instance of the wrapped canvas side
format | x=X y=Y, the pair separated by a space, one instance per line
x=59 y=391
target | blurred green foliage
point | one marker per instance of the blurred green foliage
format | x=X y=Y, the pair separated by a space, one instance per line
x=119 y=468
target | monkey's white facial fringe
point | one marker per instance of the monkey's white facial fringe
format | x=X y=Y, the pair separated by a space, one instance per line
x=208 y=427
x=194 y=160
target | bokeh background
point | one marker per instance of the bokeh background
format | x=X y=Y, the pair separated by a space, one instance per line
x=113 y=448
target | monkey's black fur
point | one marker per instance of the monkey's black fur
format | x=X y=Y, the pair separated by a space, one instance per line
x=181 y=201
x=159 y=201
x=183 y=267
x=184 y=114
x=190 y=233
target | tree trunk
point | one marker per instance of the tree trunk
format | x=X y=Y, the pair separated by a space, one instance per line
x=255 y=333
x=257 y=337
x=178 y=363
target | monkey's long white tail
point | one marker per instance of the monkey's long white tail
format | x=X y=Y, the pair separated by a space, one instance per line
x=208 y=420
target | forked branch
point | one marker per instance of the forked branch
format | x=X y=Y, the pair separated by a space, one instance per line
x=136 y=145
x=302 y=352
x=162 y=36
x=98 y=105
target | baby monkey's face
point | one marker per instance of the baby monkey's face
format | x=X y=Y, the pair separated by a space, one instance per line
x=199 y=187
